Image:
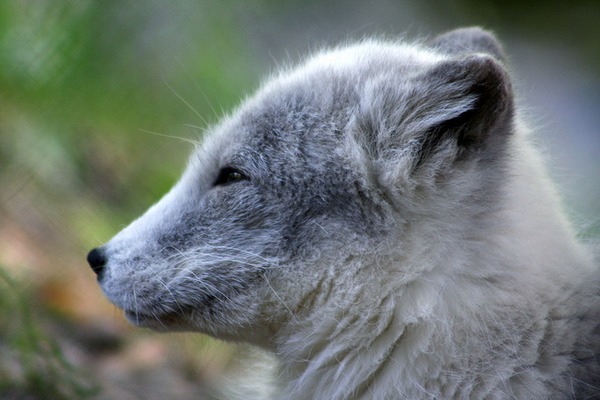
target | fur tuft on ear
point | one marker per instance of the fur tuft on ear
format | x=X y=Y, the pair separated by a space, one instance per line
x=468 y=41
x=457 y=107
x=483 y=83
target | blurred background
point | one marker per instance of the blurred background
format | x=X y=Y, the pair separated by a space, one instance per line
x=97 y=99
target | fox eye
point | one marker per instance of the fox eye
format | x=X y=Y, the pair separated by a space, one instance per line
x=228 y=176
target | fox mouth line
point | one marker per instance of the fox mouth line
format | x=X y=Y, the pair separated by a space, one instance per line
x=152 y=320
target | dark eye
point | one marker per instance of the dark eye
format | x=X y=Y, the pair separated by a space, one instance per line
x=229 y=175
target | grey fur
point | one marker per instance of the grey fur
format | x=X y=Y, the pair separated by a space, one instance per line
x=390 y=234
x=468 y=41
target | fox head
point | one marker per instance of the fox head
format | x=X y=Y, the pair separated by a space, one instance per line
x=339 y=176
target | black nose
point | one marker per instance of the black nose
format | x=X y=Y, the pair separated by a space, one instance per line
x=97 y=261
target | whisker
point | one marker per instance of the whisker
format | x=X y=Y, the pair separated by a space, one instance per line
x=135 y=306
x=184 y=101
x=200 y=90
x=183 y=139
x=280 y=299
x=168 y=289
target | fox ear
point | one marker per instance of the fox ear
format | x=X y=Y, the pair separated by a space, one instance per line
x=469 y=41
x=477 y=88
x=475 y=81
x=458 y=108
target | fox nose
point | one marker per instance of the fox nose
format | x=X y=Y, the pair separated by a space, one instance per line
x=97 y=260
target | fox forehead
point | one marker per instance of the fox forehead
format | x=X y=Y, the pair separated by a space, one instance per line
x=306 y=110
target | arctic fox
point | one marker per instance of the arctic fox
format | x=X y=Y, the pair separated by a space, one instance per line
x=377 y=219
